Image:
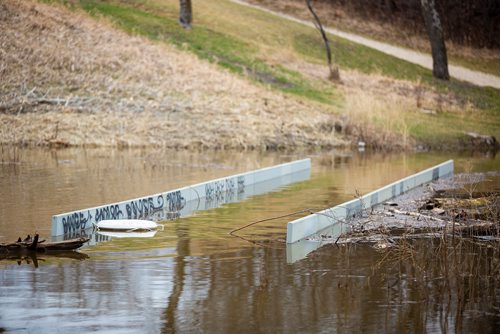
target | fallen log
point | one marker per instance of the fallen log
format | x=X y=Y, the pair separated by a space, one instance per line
x=480 y=139
x=34 y=245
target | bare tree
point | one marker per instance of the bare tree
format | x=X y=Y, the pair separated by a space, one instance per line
x=334 y=70
x=435 y=32
x=185 y=13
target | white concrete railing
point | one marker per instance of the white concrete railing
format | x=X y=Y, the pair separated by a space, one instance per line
x=336 y=216
x=183 y=201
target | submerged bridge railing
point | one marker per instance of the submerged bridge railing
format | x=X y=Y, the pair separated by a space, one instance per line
x=335 y=218
x=184 y=201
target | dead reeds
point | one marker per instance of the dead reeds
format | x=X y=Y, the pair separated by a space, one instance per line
x=447 y=251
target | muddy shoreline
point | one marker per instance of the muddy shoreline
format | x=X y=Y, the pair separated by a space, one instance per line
x=451 y=207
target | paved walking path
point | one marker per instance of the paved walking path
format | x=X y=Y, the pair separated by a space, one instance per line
x=422 y=59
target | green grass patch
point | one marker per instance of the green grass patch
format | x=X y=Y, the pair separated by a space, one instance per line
x=357 y=57
x=491 y=66
x=450 y=128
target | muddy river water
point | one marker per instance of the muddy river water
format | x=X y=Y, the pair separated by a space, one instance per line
x=194 y=277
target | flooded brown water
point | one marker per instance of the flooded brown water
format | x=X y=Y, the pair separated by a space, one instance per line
x=194 y=277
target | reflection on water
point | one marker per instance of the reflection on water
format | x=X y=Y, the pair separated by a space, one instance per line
x=117 y=234
x=36 y=258
x=251 y=290
x=193 y=276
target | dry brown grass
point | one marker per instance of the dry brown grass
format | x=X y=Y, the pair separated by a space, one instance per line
x=70 y=80
x=379 y=121
x=378 y=109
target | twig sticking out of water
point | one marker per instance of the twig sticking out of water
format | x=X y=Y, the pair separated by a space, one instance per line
x=311 y=211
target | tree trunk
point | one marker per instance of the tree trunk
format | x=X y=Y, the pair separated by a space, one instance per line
x=334 y=70
x=435 y=32
x=185 y=14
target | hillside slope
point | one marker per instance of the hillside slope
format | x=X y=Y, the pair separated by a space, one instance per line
x=70 y=80
x=124 y=73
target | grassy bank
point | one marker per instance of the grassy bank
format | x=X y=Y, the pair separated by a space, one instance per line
x=380 y=94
